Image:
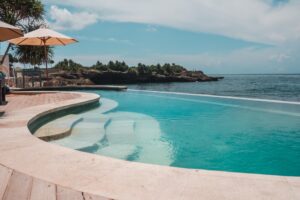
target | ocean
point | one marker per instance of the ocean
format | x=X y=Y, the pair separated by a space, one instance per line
x=277 y=87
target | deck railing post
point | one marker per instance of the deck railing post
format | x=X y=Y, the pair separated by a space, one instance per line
x=23 y=80
x=0 y=91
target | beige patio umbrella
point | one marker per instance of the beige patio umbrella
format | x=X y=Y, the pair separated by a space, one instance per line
x=8 y=31
x=43 y=37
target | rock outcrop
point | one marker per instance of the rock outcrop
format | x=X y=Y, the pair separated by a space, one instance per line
x=115 y=77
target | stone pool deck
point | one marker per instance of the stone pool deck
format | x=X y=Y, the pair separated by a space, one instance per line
x=33 y=169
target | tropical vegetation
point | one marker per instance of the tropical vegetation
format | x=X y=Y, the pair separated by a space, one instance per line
x=68 y=65
x=27 y=15
x=68 y=72
x=117 y=66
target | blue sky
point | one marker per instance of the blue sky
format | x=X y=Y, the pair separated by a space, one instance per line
x=236 y=36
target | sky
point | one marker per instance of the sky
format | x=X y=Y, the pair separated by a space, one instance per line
x=216 y=36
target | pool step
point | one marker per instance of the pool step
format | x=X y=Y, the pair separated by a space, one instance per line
x=120 y=138
x=121 y=151
x=128 y=132
x=120 y=132
x=148 y=134
x=58 y=128
x=85 y=134
x=123 y=135
x=106 y=105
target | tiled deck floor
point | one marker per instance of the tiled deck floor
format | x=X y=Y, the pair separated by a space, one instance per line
x=19 y=101
x=18 y=186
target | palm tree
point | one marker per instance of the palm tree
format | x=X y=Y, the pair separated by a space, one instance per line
x=15 y=12
x=34 y=55
x=21 y=13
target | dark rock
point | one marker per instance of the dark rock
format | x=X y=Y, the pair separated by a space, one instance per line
x=116 y=77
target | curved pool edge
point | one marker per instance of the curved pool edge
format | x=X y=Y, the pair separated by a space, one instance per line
x=119 y=179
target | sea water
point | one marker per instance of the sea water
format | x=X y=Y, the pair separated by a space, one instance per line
x=280 y=86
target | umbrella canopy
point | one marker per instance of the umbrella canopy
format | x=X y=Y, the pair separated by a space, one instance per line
x=8 y=31
x=43 y=37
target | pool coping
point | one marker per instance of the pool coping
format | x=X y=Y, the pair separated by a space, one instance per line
x=74 y=87
x=119 y=179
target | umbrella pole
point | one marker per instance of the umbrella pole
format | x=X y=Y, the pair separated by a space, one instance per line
x=46 y=60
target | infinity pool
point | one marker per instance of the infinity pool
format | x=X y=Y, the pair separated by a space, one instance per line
x=191 y=131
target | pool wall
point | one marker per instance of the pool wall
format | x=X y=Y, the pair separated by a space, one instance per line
x=40 y=121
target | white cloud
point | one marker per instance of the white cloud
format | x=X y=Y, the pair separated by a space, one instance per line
x=279 y=57
x=151 y=28
x=110 y=39
x=254 y=20
x=247 y=60
x=63 y=19
x=115 y=40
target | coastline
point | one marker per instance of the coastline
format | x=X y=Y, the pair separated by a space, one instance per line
x=90 y=76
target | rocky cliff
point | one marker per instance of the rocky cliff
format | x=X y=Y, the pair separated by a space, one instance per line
x=114 y=77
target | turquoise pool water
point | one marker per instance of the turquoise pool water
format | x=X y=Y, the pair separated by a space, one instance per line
x=191 y=131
